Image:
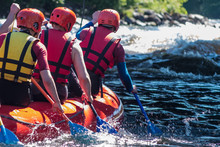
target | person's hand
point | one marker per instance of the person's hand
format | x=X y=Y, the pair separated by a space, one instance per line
x=95 y=16
x=134 y=89
x=87 y=98
x=90 y=99
x=58 y=107
x=14 y=8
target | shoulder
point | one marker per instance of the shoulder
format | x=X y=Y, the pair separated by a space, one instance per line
x=119 y=53
x=84 y=33
x=76 y=50
x=39 y=44
x=120 y=48
x=2 y=37
x=38 y=47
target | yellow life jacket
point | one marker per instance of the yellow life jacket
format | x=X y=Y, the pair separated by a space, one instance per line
x=16 y=61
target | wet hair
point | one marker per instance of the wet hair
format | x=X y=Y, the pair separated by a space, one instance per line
x=25 y=30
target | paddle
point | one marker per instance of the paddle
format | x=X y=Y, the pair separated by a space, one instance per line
x=74 y=128
x=150 y=126
x=6 y=136
x=101 y=124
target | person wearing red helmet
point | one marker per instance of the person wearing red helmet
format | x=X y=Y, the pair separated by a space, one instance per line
x=19 y=53
x=7 y=25
x=102 y=50
x=63 y=52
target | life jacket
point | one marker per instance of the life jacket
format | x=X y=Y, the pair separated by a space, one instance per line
x=58 y=44
x=16 y=61
x=98 y=47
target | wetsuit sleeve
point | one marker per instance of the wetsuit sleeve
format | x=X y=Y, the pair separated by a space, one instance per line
x=40 y=53
x=124 y=76
x=119 y=55
x=80 y=30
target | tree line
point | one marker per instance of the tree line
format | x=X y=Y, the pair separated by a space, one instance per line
x=208 y=8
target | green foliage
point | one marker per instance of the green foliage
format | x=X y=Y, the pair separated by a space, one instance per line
x=92 y=5
x=128 y=12
x=122 y=6
x=170 y=6
x=46 y=6
x=209 y=8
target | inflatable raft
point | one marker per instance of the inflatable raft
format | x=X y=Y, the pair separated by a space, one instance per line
x=39 y=121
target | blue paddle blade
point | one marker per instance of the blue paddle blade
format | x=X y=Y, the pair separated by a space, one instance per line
x=76 y=128
x=150 y=126
x=104 y=126
x=7 y=137
x=153 y=129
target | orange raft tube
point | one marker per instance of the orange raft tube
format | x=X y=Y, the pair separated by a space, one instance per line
x=38 y=121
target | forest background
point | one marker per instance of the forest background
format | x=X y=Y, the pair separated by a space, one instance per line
x=207 y=8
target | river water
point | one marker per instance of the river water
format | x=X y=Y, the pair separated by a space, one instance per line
x=177 y=73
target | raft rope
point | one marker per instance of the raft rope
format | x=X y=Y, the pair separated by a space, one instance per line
x=20 y=121
x=42 y=124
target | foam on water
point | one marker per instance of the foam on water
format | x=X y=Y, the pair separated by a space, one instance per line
x=148 y=39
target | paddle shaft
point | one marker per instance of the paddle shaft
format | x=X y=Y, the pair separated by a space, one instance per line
x=93 y=109
x=48 y=97
x=151 y=128
x=107 y=127
x=142 y=109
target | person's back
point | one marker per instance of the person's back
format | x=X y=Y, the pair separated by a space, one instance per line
x=60 y=49
x=19 y=52
x=59 y=59
x=13 y=70
x=99 y=51
x=102 y=50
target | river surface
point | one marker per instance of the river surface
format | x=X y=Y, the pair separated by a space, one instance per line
x=177 y=73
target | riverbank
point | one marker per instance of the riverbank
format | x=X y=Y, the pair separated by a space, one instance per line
x=151 y=18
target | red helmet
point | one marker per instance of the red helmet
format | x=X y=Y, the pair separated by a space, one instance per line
x=30 y=18
x=63 y=17
x=109 y=17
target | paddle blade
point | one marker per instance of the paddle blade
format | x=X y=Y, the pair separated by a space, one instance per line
x=151 y=129
x=7 y=137
x=150 y=126
x=76 y=128
x=103 y=126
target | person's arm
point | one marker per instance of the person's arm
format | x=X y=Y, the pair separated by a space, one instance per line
x=51 y=88
x=8 y=24
x=94 y=20
x=79 y=64
x=40 y=52
x=80 y=30
x=124 y=76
